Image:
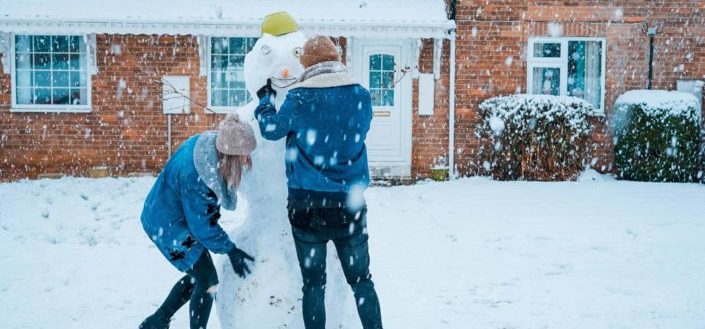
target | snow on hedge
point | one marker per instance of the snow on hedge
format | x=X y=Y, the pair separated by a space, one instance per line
x=520 y=106
x=658 y=102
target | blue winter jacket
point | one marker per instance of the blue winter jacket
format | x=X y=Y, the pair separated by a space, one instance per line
x=325 y=121
x=181 y=212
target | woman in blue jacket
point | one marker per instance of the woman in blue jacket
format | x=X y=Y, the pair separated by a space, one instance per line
x=181 y=215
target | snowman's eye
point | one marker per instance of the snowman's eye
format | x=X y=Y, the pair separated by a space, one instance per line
x=266 y=49
x=298 y=51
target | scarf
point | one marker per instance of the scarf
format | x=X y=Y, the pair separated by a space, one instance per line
x=323 y=68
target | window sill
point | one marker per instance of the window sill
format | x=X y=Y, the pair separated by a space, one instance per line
x=222 y=109
x=50 y=110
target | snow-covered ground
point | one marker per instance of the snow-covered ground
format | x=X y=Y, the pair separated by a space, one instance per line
x=473 y=253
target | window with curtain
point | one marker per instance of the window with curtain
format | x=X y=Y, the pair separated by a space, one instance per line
x=227 y=80
x=50 y=71
x=568 y=67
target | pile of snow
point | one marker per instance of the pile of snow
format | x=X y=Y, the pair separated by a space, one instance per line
x=660 y=102
x=450 y=255
x=520 y=107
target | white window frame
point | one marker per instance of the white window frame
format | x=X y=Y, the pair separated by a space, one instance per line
x=562 y=63
x=50 y=108
x=209 y=68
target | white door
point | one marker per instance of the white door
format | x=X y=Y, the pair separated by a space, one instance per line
x=380 y=66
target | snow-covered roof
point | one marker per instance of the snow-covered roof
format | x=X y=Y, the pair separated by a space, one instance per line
x=362 y=18
x=656 y=101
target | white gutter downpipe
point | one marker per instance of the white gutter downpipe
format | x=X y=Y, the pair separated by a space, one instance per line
x=451 y=109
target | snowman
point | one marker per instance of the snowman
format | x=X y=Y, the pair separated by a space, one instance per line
x=270 y=296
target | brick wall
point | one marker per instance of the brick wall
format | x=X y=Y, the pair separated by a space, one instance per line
x=125 y=131
x=493 y=36
x=430 y=133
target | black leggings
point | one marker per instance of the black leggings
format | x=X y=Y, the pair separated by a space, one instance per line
x=193 y=287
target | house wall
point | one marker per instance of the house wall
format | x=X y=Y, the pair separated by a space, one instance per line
x=490 y=32
x=125 y=131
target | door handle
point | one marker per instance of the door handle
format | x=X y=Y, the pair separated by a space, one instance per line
x=382 y=113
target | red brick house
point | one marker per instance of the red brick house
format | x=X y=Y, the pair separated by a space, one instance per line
x=81 y=81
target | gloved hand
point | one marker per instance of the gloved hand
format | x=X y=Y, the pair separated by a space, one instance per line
x=237 y=260
x=266 y=90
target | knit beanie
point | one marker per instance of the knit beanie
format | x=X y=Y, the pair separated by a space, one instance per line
x=319 y=49
x=235 y=137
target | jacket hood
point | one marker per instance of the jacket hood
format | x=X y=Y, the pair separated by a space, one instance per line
x=205 y=159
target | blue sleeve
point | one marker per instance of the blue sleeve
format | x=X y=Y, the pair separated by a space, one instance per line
x=276 y=125
x=202 y=212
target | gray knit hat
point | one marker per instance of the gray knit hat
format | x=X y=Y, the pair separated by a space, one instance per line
x=235 y=137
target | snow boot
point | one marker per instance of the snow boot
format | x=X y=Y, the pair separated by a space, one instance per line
x=154 y=322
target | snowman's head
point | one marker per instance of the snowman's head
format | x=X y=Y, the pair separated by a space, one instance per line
x=275 y=58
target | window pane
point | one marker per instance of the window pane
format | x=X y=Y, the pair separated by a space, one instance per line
x=76 y=44
x=375 y=80
x=376 y=97
x=60 y=44
x=42 y=79
x=60 y=96
x=388 y=80
x=60 y=61
x=42 y=43
x=376 y=62
x=219 y=45
x=23 y=44
x=388 y=96
x=585 y=71
x=60 y=79
x=42 y=61
x=23 y=78
x=388 y=63
x=42 y=96
x=78 y=96
x=547 y=49
x=24 y=95
x=546 y=81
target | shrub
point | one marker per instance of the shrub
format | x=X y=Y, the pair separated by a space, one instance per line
x=657 y=136
x=535 y=137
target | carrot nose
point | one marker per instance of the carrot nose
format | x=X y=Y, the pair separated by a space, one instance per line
x=285 y=73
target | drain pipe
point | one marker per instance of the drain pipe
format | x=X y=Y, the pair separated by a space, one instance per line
x=651 y=33
x=169 y=133
x=451 y=109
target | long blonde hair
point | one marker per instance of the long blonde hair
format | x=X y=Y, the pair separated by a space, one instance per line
x=231 y=168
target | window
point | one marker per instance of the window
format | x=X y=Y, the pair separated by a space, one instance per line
x=227 y=80
x=50 y=72
x=382 y=79
x=568 y=66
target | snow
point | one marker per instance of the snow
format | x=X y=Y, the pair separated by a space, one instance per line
x=656 y=101
x=215 y=16
x=472 y=253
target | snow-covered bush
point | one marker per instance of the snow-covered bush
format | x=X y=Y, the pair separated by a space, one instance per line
x=657 y=136
x=534 y=137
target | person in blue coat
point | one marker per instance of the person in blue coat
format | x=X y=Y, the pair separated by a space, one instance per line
x=181 y=215
x=325 y=119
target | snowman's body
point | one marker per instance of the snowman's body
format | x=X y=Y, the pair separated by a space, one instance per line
x=270 y=296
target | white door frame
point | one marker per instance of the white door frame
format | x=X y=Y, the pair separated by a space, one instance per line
x=400 y=166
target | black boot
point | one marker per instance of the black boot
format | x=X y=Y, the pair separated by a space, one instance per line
x=154 y=322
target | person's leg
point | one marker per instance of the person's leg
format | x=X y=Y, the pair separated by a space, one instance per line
x=179 y=295
x=355 y=260
x=205 y=278
x=311 y=253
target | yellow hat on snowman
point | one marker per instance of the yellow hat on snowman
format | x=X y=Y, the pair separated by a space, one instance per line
x=279 y=23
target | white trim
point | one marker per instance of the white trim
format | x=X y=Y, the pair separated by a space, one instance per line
x=562 y=63
x=5 y=48
x=44 y=108
x=437 y=54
